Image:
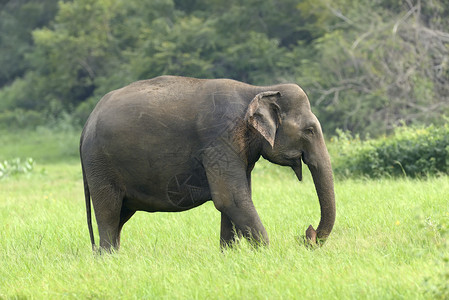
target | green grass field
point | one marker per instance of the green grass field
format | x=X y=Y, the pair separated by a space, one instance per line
x=388 y=242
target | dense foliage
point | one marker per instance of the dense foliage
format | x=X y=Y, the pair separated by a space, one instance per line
x=413 y=152
x=366 y=65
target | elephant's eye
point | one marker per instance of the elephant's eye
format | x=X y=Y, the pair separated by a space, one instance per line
x=310 y=131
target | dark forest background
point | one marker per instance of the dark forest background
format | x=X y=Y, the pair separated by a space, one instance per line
x=367 y=65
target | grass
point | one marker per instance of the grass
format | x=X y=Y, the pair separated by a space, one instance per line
x=387 y=242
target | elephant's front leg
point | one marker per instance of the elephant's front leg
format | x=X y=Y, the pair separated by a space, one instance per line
x=228 y=232
x=247 y=223
x=232 y=197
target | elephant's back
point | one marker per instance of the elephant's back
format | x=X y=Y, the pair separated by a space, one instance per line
x=158 y=103
x=167 y=107
x=150 y=93
x=148 y=120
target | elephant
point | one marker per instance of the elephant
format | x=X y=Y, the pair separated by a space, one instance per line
x=171 y=143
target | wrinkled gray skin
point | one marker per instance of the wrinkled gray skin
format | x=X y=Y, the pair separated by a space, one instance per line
x=172 y=143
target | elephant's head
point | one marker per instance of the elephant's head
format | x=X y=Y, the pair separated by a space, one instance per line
x=291 y=134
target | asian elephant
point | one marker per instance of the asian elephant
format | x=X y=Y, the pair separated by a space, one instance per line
x=172 y=143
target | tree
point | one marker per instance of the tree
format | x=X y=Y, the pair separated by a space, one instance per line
x=380 y=68
x=17 y=19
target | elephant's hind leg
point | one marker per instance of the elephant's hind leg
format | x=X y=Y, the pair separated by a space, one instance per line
x=107 y=202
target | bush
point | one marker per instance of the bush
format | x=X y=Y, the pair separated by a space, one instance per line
x=16 y=166
x=20 y=119
x=413 y=152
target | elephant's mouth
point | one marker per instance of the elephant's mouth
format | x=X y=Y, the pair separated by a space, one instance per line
x=294 y=160
x=297 y=166
x=305 y=157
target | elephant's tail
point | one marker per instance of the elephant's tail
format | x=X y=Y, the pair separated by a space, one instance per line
x=88 y=207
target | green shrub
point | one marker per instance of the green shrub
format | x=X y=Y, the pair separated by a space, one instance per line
x=16 y=166
x=413 y=152
x=20 y=119
x=82 y=111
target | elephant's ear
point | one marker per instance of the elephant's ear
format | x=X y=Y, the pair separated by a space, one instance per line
x=264 y=114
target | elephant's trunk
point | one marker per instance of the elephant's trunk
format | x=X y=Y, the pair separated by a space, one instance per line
x=322 y=177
